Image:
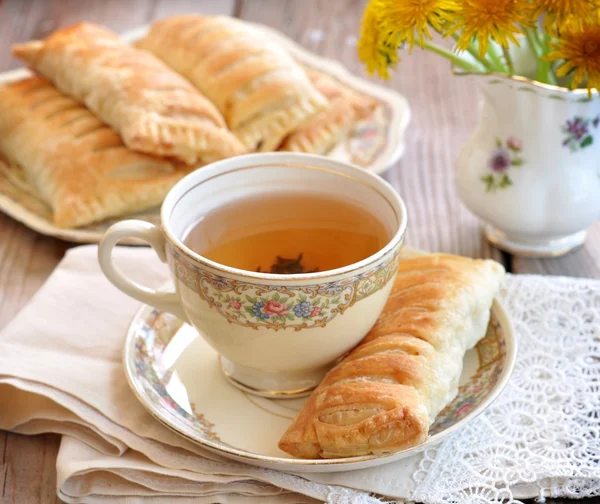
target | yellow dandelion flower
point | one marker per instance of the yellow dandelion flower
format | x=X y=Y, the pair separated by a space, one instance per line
x=579 y=47
x=498 y=20
x=406 y=20
x=560 y=10
x=377 y=54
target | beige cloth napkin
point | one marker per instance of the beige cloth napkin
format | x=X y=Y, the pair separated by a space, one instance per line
x=61 y=371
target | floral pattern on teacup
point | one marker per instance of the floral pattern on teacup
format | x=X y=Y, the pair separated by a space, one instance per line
x=577 y=132
x=277 y=308
x=280 y=307
x=503 y=158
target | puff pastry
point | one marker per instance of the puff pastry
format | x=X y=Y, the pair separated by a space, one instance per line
x=260 y=90
x=77 y=164
x=323 y=131
x=154 y=109
x=384 y=395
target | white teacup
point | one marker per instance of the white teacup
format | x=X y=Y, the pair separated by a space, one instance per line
x=265 y=357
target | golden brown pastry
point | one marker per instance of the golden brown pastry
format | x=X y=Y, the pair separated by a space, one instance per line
x=386 y=393
x=77 y=164
x=154 y=109
x=260 y=90
x=323 y=131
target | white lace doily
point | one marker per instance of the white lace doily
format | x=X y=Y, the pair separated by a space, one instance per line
x=544 y=430
x=542 y=435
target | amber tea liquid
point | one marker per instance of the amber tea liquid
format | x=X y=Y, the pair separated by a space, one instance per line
x=287 y=233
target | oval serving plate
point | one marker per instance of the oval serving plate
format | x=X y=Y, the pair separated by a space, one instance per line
x=176 y=376
x=375 y=144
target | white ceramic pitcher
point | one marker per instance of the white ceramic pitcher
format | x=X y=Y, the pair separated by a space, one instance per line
x=531 y=171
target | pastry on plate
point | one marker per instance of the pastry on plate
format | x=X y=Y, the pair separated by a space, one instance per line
x=260 y=90
x=78 y=165
x=383 y=396
x=324 y=130
x=154 y=109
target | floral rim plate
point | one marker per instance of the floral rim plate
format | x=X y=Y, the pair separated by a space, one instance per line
x=375 y=144
x=176 y=376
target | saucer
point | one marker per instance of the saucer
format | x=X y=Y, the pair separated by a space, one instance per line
x=177 y=377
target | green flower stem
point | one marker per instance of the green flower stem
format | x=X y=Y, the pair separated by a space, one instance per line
x=472 y=48
x=536 y=35
x=532 y=43
x=544 y=71
x=509 y=61
x=487 y=64
x=496 y=60
x=455 y=59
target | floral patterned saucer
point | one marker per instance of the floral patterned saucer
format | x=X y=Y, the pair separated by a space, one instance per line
x=176 y=375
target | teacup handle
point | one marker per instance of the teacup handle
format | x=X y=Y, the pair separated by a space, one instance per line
x=165 y=301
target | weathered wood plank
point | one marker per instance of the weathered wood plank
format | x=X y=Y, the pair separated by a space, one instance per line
x=165 y=8
x=24 y=20
x=27 y=474
x=26 y=260
x=584 y=262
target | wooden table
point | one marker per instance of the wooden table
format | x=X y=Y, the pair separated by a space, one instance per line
x=444 y=114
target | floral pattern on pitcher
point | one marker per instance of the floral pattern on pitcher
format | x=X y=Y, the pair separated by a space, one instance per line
x=503 y=158
x=577 y=132
x=280 y=307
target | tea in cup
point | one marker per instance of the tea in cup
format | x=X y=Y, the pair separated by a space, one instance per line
x=281 y=261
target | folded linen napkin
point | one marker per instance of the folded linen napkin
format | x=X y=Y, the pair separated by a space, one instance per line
x=61 y=371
